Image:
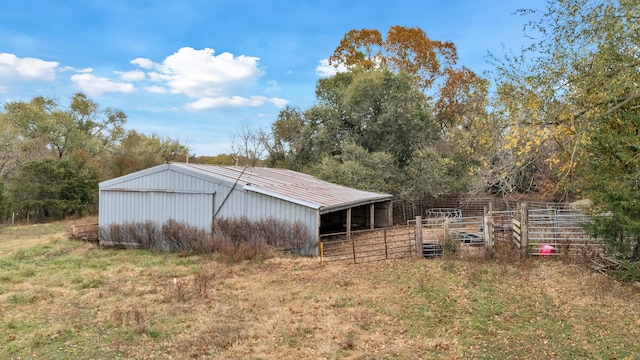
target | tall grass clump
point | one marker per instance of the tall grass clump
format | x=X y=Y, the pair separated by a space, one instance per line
x=235 y=239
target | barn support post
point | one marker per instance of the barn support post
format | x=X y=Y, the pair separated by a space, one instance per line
x=348 y=224
x=372 y=216
x=349 y=237
x=524 y=229
x=419 y=236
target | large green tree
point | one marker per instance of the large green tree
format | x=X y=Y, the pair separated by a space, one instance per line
x=373 y=130
x=137 y=151
x=364 y=123
x=52 y=155
x=43 y=128
x=379 y=111
x=571 y=102
x=55 y=189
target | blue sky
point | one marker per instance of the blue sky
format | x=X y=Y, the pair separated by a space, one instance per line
x=199 y=71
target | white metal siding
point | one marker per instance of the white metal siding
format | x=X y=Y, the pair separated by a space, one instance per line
x=166 y=195
x=260 y=206
x=167 y=179
x=119 y=207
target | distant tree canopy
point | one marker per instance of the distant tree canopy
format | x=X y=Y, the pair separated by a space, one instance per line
x=53 y=156
x=137 y=151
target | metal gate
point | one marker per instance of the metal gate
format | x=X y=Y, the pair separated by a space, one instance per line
x=368 y=245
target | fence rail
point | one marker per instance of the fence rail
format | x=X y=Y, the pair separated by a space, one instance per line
x=562 y=230
x=530 y=227
x=368 y=245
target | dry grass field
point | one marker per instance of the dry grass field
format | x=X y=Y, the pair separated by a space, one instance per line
x=62 y=299
x=20 y=237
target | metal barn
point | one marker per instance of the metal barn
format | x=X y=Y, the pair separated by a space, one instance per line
x=197 y=194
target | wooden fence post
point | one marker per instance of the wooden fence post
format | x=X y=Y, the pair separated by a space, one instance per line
x=488 y=231
x=419 y=247
x=524 y=229
x=386 y=251
x=446 y=239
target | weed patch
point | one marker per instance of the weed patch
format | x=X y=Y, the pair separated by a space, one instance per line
x=233 y=240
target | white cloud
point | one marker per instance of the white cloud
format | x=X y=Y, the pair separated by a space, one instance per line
x=94 y=85
x=226 y=102
x=279 y=103
x=156 y=89
x=213 y=81
x=135 y=75
x=13 y=69
x=326 y=70
x=143 y=63
x=201 y=74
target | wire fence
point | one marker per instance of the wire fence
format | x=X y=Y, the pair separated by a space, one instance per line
x=560 y=231
x=536 y=228
x=407 y=210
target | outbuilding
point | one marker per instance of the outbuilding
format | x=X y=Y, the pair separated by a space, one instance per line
x=196 y=195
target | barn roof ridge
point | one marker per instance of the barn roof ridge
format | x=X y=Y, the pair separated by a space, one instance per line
x=289 y=185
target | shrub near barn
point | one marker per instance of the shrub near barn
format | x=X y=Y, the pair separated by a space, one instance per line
x=237 y=239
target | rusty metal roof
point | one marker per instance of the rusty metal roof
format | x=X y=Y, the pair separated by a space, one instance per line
x=288 y=185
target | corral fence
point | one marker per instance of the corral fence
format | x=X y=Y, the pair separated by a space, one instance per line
x=407 y=210
x=368 y=245
x=452 y=236
x=535 y=228
x=553 y=229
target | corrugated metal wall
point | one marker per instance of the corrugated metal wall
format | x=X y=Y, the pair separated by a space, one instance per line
x=118 y=207
x=158 y=197
x=260 y=206
x=166 y=179
x=164 y=195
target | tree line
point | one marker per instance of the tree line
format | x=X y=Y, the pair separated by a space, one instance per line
x=559 y=119
x=54 y=155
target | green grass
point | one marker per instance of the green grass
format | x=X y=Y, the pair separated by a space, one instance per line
x=63 y=299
